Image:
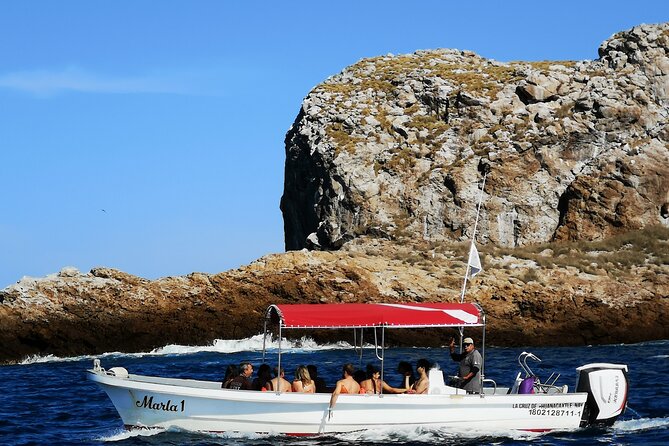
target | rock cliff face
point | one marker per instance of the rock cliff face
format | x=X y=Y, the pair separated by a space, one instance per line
x=383 y=171
x=395 y=147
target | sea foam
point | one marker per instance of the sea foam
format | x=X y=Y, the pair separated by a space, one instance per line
x=253 y=343
x=640 y=424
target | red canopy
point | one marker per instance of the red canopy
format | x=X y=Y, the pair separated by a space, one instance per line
x=411 y=315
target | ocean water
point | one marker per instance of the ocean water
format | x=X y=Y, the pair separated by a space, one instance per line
x=49 y=401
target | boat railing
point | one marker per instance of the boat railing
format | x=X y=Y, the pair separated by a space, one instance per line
x=540 y=387
x=485 y=381
x=551 y=379
x=522 y=361
x=537 y=386
x=378 y=347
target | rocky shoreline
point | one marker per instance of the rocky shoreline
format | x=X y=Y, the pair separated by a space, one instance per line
x=73 y=313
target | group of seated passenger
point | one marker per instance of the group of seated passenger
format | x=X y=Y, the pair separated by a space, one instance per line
x=239 y=378
x=409 y=383
x=307 y=381
x=374 y=384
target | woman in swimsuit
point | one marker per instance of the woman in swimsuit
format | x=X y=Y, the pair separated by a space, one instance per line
x=345 y=385
x=263 y=378
x=303 y=382
x=230 y=373
x=373 y=383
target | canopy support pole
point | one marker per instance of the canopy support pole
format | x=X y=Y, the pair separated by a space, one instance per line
x=383 y=356
x=376 y=344
x=482 y=374
x=264 y=338
x=278 y=366
x=355 y=345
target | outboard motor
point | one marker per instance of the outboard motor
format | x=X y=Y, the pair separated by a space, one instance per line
x=607 y=386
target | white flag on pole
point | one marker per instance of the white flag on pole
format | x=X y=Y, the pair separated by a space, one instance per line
x=474 y=261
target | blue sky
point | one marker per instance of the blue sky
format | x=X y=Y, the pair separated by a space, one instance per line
x=148 y=135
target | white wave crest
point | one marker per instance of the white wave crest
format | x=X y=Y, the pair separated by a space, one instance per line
x=640 y=424
x=254 y=343
x=430 y=435
x=236 y=435
x=38 y=359
x=125 y=434
x=149 y=432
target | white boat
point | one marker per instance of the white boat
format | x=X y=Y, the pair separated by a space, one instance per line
x=599 y=396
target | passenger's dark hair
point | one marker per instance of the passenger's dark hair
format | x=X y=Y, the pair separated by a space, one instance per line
x=404 y=367
x=348 y=368
x=427 y=365
x=264 y=371
x=359 y=376
x=231 y=371
x=264 y=376
x=313 y=371
x=371 y=370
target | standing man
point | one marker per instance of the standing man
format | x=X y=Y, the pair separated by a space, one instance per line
x=243 y=381
x=470 y=360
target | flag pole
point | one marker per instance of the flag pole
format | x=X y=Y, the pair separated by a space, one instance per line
x=471 y=246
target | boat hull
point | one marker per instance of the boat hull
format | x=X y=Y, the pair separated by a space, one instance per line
x=203 y=406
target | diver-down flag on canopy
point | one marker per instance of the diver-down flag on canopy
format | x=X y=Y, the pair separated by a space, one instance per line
x=474 y=261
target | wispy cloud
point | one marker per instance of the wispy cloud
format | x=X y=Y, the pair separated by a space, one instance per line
x=53 y=82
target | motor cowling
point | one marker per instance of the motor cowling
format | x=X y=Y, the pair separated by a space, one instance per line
x=607 y=386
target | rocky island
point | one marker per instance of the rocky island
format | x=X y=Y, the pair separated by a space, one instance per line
x=384 y=167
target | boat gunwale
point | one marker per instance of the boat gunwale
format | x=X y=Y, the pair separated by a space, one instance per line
x=291 y=397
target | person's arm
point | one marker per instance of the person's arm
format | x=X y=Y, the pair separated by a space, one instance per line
x=455 y=356
x=471 y=374
x=297 y=386
x=333 y=398
x=458 y=356
x=389 y=389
